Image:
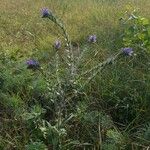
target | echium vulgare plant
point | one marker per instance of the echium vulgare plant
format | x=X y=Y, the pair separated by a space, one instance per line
x=58 y=92
x=72 y=78
x=46 y=13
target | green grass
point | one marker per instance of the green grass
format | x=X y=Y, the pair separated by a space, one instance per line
x=111 y=112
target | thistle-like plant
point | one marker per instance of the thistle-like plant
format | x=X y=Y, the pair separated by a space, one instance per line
x=92 y=39
x=58 y=90
x=73 y=83
x=70 y=58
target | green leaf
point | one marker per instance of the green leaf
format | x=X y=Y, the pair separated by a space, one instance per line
x=141 y=36
x=148 y=30
x=145 y=21
x=36 y=146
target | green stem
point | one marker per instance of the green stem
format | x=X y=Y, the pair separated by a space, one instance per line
x=70 y=56
x=98 y=68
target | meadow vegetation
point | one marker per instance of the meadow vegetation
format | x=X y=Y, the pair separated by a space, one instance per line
x=60 y=92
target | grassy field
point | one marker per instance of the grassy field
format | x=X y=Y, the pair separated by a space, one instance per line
x=23 y=30
x=105 y=110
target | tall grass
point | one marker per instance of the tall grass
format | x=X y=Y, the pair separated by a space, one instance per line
x=110 y=112
x=23 y=31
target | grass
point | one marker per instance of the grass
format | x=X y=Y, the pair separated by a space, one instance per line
x=111 y=112
x=23 y=30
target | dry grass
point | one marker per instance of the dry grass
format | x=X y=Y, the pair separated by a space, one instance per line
x=22 y=29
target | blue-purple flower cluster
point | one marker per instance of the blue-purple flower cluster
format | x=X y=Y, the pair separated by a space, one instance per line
x=57 y=44
x=127 y=51
x=45 y=13
x=92 y=39
x=32 y=64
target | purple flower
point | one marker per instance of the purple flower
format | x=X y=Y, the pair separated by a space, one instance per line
x=127 y=51
x=45 y=13
x=92 y=38
x=32 y=64
x=57 y=44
